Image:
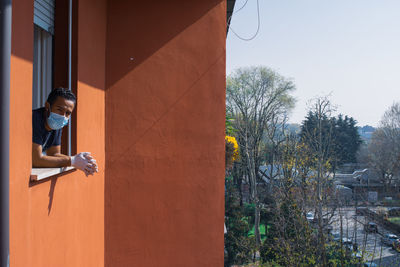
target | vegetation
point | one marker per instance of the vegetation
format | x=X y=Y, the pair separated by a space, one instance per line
x=394 y=220
x=382 y=153
x=339 y=135
x=256 y=98
x=239 y=246
x=296 y=178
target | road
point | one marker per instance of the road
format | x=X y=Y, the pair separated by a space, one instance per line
x=375 y=250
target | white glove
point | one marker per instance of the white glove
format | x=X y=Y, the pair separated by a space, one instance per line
x=93 y=163
x=84 y=162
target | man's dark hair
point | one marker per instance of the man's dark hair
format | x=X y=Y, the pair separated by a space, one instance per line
x=62 y=92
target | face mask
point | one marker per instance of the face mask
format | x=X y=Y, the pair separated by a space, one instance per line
x=56 y=121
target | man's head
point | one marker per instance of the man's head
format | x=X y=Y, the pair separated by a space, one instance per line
x=59 y=106
x=61 y=101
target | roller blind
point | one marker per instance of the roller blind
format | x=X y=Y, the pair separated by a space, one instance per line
x=44 y=14
x=42 y=66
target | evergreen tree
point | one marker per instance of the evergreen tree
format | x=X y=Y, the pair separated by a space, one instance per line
x=347 y=140
x=340 y=134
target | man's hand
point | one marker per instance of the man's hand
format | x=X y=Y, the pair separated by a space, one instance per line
x=85 y=162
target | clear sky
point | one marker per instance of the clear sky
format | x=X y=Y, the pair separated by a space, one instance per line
x=347 y=48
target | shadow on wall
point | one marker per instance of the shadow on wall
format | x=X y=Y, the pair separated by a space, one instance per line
x=53 y=181
x=152 y=24
x=146 y=27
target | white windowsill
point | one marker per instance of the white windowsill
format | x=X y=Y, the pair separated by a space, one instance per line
x=38 y=174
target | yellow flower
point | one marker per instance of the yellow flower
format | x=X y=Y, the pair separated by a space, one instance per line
x=232 y=140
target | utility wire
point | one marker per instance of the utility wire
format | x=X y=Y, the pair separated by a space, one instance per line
x=258 y=23
x=236 y=11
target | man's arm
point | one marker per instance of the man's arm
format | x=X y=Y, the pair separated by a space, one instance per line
x=53 y=159
x=55 y=151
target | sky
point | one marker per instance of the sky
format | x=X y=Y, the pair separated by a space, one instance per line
x=348 y=49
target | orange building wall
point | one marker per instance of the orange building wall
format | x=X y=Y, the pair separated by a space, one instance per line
x=150 y=78
x=165 y=116
x=59 y=222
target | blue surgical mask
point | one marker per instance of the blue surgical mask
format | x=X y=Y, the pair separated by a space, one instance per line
x=56 y=121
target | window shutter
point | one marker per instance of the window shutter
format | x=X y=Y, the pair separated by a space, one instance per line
x=44 y=14
x=42 y=66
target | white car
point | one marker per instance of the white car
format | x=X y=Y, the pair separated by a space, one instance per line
x=388 y=239
x=310 y=216
x=336 y=237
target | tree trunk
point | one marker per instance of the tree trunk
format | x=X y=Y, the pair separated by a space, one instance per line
x=257 y=234
x=253 y=197
x=341 y=239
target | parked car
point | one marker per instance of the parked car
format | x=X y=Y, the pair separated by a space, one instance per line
x=348 y=245
x=347 y=241
x=371 y=227
x=388 y=239
x=310 y=217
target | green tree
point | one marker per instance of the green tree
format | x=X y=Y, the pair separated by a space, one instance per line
x=318 y=133
x=339 y=135
x=290 y=241
x=238 y=245
x=346 y=140
x=255 y=97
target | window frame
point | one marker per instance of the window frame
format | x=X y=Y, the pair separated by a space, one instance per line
x=64 y=74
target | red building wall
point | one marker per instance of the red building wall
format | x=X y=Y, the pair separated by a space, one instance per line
x=150 y=83
x=59 y=222
x=165 y=117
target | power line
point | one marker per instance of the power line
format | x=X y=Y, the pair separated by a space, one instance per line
x=230 y=17
x=245 y=3
x=258 y=23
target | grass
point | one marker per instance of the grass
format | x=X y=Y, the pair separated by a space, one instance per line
x=395 y=220
x=263 y=231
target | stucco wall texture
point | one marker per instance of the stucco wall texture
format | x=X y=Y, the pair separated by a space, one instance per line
x=150 y=78
x=165 y=112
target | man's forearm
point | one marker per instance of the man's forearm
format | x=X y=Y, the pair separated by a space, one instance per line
x=57 y=160
x=59 y=155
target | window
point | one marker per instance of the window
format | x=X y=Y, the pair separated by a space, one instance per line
x=51 y=64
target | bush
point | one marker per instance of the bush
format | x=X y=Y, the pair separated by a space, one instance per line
x=289 y=240
x=239 y=247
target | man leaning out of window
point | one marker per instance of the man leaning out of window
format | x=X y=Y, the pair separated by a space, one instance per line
x=47 y=124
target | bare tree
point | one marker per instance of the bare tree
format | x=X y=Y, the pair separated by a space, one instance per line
x=291 y=242
x=255 y=96
x=383 y=156
x=383 y=151
x=275 y=135
x=319 y=138
x=390 y=123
